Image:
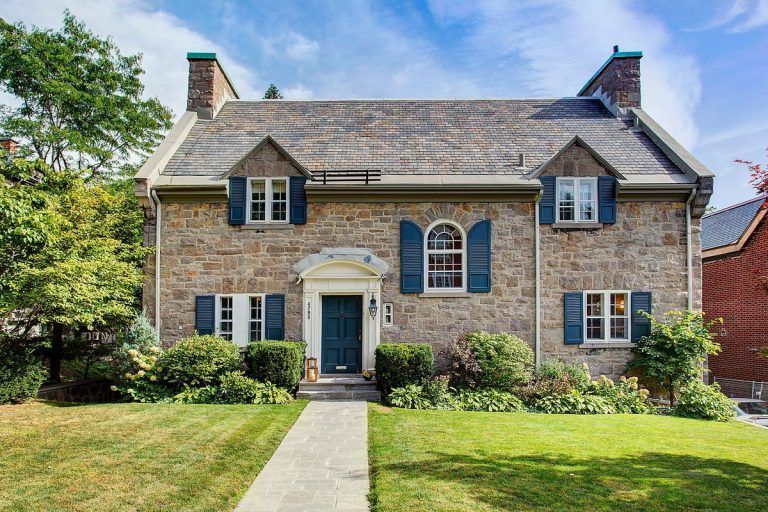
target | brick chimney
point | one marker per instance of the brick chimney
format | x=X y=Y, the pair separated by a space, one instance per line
x=9 y=145
x=209 y=86
x=617 y=82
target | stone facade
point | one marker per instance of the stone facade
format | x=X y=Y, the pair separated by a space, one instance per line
x=208 y=87
x=644 y=251
x=618 y=83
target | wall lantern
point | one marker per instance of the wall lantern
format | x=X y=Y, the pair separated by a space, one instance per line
x=373 y=308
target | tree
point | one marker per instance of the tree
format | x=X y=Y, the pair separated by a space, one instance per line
x=272 y=93
x=758 y=175
x=676 y=349
x=81 y=104
x=72 y=256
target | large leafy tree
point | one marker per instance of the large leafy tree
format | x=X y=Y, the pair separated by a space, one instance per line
x=81 y=103
x=71 y=255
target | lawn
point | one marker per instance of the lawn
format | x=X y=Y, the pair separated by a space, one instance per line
x=462 y=461
x=135 y=456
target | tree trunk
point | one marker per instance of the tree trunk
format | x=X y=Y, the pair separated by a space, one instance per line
x=56 y=353
x=671 y=393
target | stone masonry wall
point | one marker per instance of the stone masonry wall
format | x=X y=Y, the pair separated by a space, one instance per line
x=208 y=87
x=619 y=82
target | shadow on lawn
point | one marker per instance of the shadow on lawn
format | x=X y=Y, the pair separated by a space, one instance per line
x=648 y=481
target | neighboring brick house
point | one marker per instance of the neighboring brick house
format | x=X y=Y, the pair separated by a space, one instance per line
x=552 y=219
x=735 y=287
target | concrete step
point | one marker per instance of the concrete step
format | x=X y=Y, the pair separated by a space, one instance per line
x=332 y=385
x=322 y=394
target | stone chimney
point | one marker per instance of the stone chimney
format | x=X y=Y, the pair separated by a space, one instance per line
x=209 y=85
x=9 y=145
x=617 y=82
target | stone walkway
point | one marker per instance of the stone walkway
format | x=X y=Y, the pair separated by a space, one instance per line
x=322 y=464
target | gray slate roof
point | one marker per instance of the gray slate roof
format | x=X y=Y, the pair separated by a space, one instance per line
x=726 y=226
x=416 y=136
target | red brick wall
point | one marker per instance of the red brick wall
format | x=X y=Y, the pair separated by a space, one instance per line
x=736 y=289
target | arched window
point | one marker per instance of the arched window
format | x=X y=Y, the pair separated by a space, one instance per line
x=445 y=257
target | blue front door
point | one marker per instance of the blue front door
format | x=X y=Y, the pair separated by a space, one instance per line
x=342 y=334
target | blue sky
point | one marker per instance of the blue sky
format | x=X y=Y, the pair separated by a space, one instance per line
x=704 y=66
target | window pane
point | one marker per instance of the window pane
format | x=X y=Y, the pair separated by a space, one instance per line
x=619 y=328
x=566 y=201
x=258 y=201
x=445 y=271
x=595 y=328
x=225 y=317
x=255 y=323
x=444 y=238
x=618 y=304
x=585 y=190
x=594 y=304
x=587 y=210
x=566 y=190
x=279 y=200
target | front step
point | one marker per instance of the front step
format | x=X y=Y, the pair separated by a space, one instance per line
x=339 y=388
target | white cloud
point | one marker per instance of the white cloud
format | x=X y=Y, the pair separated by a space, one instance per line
x=137 y=27
x=300 y=48
x=757 y=17
x=563 y=43
x=298 y=92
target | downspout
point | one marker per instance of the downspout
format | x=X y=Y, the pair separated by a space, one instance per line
x=158 y=228
x=689 y=249
x=537 y=265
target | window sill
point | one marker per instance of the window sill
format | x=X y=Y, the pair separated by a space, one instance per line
x=577 y=225
x=437 y=295
x=607 y=344
x=266 y=227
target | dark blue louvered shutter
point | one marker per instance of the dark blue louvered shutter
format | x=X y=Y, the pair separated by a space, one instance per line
x=479 y=257
x=547 y=201
x=237 y=187
x=573 y=318
x=274 y=316
x=641 y=325
x=298 y=200
x=205 y=314
x=606 y=198
x=411 y=257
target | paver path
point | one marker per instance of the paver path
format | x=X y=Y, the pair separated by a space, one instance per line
x=322 y=464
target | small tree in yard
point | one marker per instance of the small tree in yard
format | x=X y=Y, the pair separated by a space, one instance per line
x=676 y=349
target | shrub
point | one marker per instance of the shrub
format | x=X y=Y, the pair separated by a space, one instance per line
x=625 y=396
x=483 y=360
x=140 y=336
x=574 y=402
x=21 y=374
x=574 y=375
x=199 y=361
x=410 y=396
x=697 y=400
x=437 y=392
x=400 y=364
x=488 y=400
x=278 y=362
x=141 y=380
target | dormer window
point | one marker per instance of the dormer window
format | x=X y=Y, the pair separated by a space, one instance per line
x=267 y=200
x=576 y=199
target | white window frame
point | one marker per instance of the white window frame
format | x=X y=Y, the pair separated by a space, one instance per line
x=577 y=199
x=388 y=314
x=241 y=316
x=268 y=201
x=606 y=316
x=463 y=252
x=218 y=330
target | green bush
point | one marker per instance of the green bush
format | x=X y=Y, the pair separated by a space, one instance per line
x=488 y=400
x=697 y=400
x=21 y=374
x=400 y=364
x=624 y=396
x=198 y=361
x=575 y=375
x=439 y=393
x=237 y=388
x=278 y=362
x=140 y=336
x=574 y=402
x=492 y=361
x=410 y=396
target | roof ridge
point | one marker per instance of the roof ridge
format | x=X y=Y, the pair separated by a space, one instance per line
x=343 y=100
x=737 y=205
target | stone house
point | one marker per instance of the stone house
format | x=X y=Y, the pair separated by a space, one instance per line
x=735 y=288
x=551 y=219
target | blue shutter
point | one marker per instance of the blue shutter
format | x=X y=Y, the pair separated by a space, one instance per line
x=606 y=199
x=298 y=200
x=547 y=202
x=275 y=317
x=205 y=314
x=237 y=187
x=479 y=257
x=641 y=325
x=411 y=257
x=573 y=318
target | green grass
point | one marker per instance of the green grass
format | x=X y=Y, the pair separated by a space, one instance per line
x=462 y=461
x=135 y=456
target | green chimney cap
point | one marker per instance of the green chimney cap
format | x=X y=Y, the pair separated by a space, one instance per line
x=201 y=56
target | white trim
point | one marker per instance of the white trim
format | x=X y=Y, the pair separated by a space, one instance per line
x=241 y=316
x=268 y=200
x=577 y=200
x=387 y=310
x=430 y=289
x=606 y=316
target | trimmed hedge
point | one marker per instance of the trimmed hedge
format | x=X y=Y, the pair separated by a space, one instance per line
x=278 y=362
x=401 y=364
x=199 y=360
